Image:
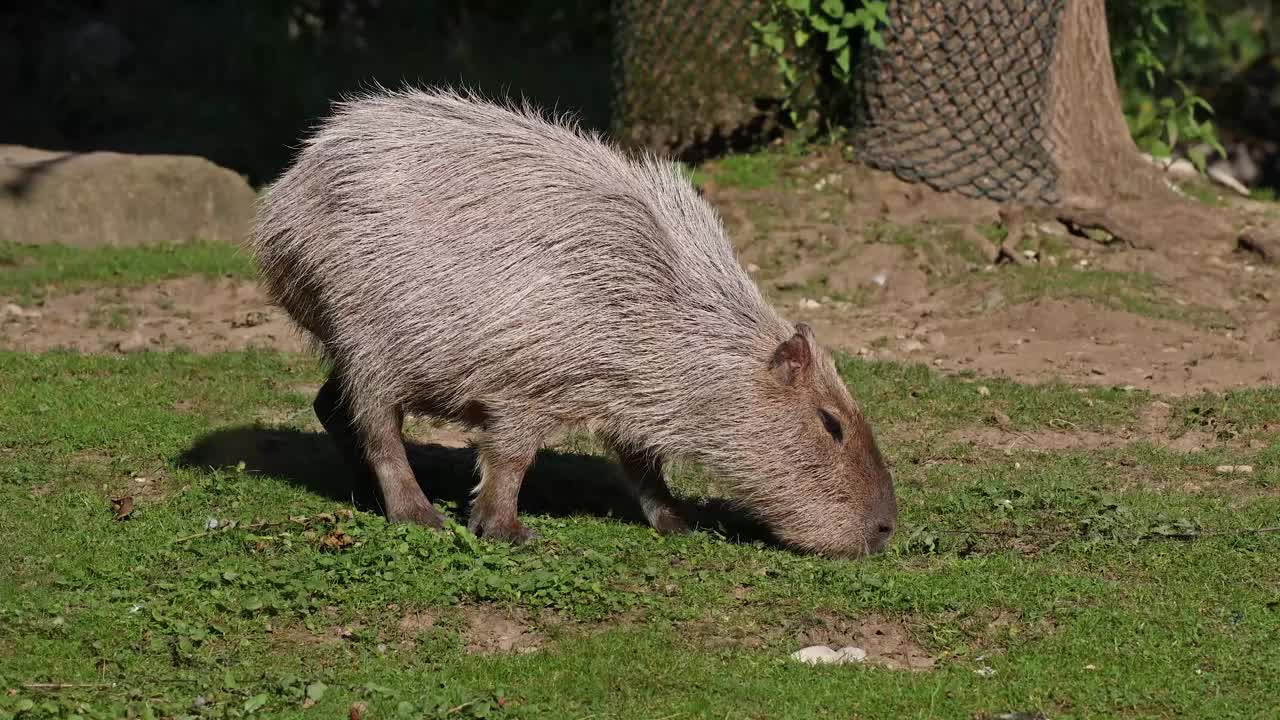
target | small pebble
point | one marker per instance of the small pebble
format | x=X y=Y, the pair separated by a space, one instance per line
x=984 y=391
x=810 y=303
x=18 y=311
x=752 y=267
x=1235 y=469
x=881 y=278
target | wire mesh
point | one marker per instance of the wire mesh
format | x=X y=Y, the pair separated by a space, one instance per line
x=957 y=99
x=684 y=78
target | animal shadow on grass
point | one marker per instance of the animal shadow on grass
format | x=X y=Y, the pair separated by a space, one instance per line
x=558 y=485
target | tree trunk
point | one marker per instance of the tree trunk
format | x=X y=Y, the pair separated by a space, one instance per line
x=1103 y=181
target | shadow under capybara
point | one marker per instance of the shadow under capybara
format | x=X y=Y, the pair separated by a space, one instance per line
x=482 y=263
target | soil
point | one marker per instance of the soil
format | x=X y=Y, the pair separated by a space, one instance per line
x=881 y=269
x=489 y=630
x=196 y=313
x=888 y=644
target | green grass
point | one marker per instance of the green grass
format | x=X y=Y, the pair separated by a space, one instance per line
x=748 y=171
x=1263 y=194
x=1104 y=613
x=26 y=270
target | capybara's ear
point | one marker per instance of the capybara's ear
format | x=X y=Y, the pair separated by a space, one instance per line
x=792 y=359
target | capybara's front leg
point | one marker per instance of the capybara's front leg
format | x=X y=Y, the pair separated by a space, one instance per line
x=643 y=471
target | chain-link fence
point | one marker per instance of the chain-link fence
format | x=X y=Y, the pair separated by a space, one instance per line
x=956 y=100
x=685 y=83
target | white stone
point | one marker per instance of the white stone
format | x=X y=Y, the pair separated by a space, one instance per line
x=816 y=655
x=824 y=655
x=850 y=653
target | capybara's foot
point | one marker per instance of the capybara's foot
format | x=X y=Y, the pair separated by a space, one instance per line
x=667 y=522
x=512 y=531
x=423 y=513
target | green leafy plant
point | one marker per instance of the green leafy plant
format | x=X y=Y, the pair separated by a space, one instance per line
x=814 y=45
x=1151 y=40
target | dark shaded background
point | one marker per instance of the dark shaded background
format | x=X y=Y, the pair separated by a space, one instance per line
x=239 y=82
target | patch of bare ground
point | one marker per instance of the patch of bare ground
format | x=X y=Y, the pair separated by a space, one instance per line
x=887 y=642
x=194 y=313
x=327 y=633
x=893 y=271
x=301 y=636
x=416 y=622
x=488 y=630
x=1074 y=341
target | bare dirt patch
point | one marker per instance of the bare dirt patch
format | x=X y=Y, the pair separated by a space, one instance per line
x=887 y=643
x=195 y=313
x=488 y=631
x=416 y=622
x=297 y=635
x=897 y=272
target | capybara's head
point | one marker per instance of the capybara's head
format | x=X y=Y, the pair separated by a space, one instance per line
x=816 y=475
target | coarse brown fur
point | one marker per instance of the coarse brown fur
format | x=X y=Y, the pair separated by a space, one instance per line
x=481 y=263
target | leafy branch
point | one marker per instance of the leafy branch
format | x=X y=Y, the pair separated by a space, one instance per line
x=813 y=47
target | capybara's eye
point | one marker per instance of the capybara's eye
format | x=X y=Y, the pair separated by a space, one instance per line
x=832 y=425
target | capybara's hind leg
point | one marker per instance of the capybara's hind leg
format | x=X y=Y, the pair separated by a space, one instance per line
x=375 y=448
x=503 y=459
x=643 y=471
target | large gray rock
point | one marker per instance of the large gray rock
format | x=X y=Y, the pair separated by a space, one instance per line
x=105 y=198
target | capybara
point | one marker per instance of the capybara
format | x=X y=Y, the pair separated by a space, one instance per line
x=483 y=263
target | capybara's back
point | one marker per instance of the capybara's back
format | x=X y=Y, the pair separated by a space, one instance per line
x=481 y=263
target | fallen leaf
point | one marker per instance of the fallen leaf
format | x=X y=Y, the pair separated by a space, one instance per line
x=357 y=711
x=336 y=540
x=122 y=507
